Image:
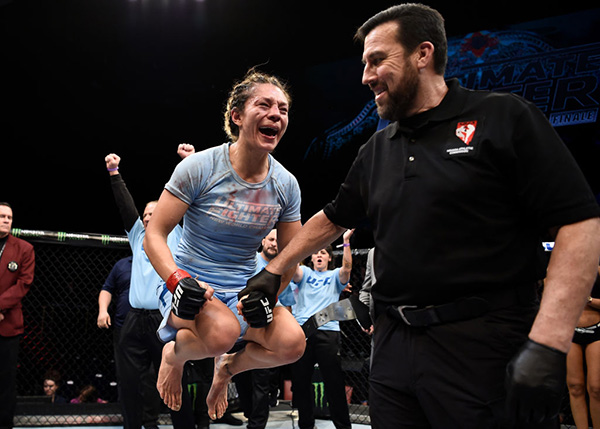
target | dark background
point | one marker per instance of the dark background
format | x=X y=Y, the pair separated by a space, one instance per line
x=83 y=78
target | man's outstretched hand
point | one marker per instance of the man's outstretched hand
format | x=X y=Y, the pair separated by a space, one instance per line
x=258 y=298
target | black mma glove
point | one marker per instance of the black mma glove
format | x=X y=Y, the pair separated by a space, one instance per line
x=535 y=383
x=188 y=298
x=256 y=310
x=261 y=290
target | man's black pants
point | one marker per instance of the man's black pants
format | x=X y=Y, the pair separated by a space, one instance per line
x=9 y=353
x=323 y=347
x=140 y=349
x=445 y=376
x=254 y=387
x=152 y=403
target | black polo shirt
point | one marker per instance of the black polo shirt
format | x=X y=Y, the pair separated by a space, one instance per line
x=458 y=196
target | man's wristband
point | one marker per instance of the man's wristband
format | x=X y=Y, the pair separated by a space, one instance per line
x=346 y=244
x=174 y=278
x=112 y=169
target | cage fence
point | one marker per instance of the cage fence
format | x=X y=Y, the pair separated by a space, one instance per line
x=61 y=334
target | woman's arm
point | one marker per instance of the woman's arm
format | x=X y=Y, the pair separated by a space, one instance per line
x=346 y=269
x=168 y=213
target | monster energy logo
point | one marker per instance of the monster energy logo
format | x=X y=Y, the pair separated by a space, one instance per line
x=320 y=399
x=193 y=391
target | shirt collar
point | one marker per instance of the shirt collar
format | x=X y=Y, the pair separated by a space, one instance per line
x=450 y=106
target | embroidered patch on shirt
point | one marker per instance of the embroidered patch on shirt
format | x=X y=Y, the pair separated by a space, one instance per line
x=465 y=131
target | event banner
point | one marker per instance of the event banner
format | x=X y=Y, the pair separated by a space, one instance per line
x=554 y=63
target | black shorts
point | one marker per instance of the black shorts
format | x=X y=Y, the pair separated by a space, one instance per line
x=588 y=335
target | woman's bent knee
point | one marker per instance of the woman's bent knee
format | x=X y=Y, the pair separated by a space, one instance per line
x=221 y=340
x=293 y=347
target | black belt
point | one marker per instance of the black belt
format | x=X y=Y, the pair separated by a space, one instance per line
x=463 y=308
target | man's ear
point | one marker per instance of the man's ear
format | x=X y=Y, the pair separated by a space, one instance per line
x=424 y=54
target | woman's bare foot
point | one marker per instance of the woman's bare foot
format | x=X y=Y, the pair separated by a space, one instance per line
x=217 y=396
x=169 y=378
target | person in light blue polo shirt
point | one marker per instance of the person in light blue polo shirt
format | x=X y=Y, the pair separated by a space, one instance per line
x=138 y=342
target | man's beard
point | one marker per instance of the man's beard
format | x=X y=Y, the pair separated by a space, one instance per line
x=401 y=101
x=270 y=253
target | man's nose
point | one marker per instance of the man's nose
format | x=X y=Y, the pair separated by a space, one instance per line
x=368 y=76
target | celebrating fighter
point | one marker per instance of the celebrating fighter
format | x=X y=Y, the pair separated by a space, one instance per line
x=230 y=197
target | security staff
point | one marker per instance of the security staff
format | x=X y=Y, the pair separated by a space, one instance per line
x=17 y=264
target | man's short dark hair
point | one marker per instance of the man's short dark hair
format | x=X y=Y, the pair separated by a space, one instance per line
x=417 y=23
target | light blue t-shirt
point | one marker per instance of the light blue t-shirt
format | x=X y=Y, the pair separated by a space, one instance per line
x=227 y=216
x=144 y=280
x=260 y=263
x=317 y=290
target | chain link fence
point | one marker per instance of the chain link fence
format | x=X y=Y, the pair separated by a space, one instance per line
x=356 y=346
x=61 y=333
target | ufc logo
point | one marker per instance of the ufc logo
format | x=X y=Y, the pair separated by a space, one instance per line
x=176 y=298
x=268 y=311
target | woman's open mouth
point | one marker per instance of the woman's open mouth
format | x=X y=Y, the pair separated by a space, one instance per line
x=268 y=131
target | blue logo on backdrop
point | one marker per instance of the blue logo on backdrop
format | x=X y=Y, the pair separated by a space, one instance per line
x=563 y=83
x=340 y=134
x=552 y=67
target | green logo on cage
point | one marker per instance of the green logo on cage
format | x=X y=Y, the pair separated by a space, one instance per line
x=61 y=236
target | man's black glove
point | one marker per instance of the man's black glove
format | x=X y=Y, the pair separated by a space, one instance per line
x=262 y=291
x=535 y=383
x=188 y=298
